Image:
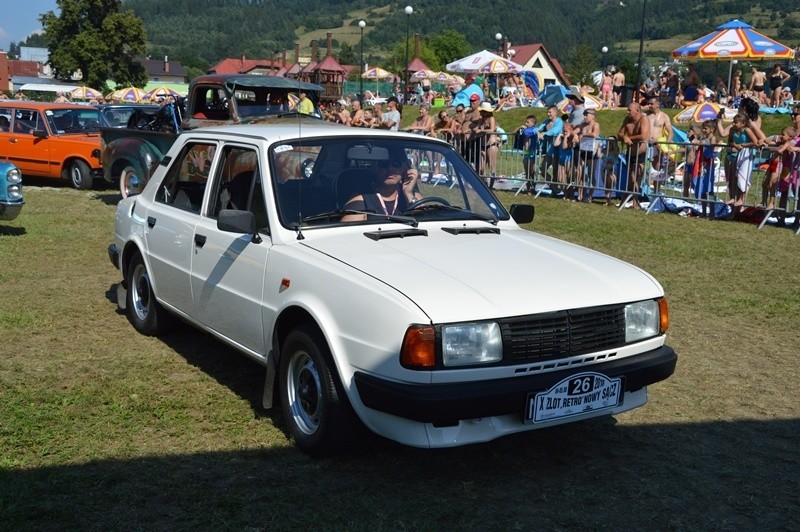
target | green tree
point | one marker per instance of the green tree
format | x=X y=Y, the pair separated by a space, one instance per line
x=449 y=46
x=95 y=38
x=584 y=61
x=347 y=56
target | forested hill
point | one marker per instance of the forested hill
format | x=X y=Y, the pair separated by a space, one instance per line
x=201 y=32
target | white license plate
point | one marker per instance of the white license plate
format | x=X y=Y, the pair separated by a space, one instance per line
x=574 y=396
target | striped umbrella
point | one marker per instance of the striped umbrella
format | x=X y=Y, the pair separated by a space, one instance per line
x=423 y=74
x=734 y=40
x=128 y=94
x=85 y=93
x=376 y=73
x=160 y=93
x=499 y=66
x=700 y=112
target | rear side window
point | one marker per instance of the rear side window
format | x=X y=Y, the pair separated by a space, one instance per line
x=185 y=183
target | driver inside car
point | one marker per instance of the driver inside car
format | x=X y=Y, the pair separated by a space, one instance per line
x=394 y=189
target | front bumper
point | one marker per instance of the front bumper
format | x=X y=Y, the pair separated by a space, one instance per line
x=9 y=211
x=446 y=404
x=113 y=255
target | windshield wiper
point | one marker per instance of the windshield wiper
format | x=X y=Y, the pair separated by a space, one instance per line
x=442 y=207
x=329 y=215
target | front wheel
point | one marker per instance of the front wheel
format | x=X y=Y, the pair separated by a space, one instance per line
x=314 y=405
x=80 y=176
x=145 y=313
x=130 y=182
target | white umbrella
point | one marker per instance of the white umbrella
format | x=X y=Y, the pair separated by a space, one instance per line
x=474 y=63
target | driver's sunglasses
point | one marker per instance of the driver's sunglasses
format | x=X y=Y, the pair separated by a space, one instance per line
x=393 y=164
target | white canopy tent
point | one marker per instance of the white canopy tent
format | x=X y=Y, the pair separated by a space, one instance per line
x=48 y=87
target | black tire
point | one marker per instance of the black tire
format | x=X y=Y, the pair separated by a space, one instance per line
x=315 y=408
x=79 y=175
x=145 y=313
x=130 y=182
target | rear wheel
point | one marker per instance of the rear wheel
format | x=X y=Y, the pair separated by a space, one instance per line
x=145 y=313
x=80 y=176
x=315 y=407
x=130 y=182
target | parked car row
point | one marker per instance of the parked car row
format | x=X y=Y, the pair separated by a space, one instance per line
x=59 y=140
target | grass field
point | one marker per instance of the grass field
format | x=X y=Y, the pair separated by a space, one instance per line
x=104 y=429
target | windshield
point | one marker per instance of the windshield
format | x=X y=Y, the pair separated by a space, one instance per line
x=86 y=120
x=363 y=180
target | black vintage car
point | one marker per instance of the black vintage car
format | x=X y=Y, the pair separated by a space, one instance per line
x=118 y=115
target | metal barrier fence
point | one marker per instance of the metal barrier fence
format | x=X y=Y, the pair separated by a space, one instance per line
x=696 y=179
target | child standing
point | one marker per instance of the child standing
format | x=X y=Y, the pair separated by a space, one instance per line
x=782 y=155
x=565 y=143
x=739 y=160
x=529 y=147
x=705 y=162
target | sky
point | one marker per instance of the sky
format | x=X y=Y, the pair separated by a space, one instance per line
x=20 y=18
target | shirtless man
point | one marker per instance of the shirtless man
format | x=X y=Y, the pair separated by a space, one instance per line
x=757 y=82
x=635 y=133
x=660 y=126
x=618 y=82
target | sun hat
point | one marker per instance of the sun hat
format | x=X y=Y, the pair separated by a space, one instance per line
x=575 y=94
x=486 y=107
x=474 y=98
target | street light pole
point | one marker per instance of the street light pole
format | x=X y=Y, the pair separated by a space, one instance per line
x=361 y=25
x=408 y=10
x=641 y=50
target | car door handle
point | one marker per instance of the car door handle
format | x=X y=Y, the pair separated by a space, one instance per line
x=151 y=222
x=200 y=240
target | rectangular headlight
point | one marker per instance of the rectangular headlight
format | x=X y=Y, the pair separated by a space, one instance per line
x=466 y=344
x=642 y=320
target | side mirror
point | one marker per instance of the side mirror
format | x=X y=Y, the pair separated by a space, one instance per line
x=522 y=213
x=40 y=133
x=235 y=221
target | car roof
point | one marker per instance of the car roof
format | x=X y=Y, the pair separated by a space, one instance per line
x=254 y=81
x=29 y=104
x=287 y=127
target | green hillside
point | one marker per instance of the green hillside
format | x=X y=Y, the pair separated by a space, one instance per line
x=200 y=32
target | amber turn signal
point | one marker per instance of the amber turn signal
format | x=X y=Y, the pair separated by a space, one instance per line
x=663 y=311
x=419 y=347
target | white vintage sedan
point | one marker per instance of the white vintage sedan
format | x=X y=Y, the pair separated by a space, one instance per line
x=383 y=285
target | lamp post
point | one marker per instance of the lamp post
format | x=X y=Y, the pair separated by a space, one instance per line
x=641 y=50
x=499 y=38
x=361 y=24
x=408 y=10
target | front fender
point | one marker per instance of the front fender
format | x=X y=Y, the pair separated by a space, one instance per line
x=143 y=156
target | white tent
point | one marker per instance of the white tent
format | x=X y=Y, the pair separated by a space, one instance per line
x=478 y=60
x=48 y=87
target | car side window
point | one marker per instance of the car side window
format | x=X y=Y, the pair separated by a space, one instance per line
x=237 y=185
x=185 y=183
x=26 y=121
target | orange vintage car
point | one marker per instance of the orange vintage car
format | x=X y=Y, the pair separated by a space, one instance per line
x=55 y=140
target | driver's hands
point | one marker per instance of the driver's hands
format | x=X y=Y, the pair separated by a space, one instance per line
x=410 y=183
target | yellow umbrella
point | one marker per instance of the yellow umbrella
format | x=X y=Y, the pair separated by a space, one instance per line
x=85 y=93
x=128 y=94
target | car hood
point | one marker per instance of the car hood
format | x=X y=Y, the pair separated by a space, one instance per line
x=478 y=276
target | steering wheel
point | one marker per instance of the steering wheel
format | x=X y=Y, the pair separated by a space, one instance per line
x=424 y=201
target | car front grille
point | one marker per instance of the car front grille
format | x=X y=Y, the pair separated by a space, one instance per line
x=562 y=334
